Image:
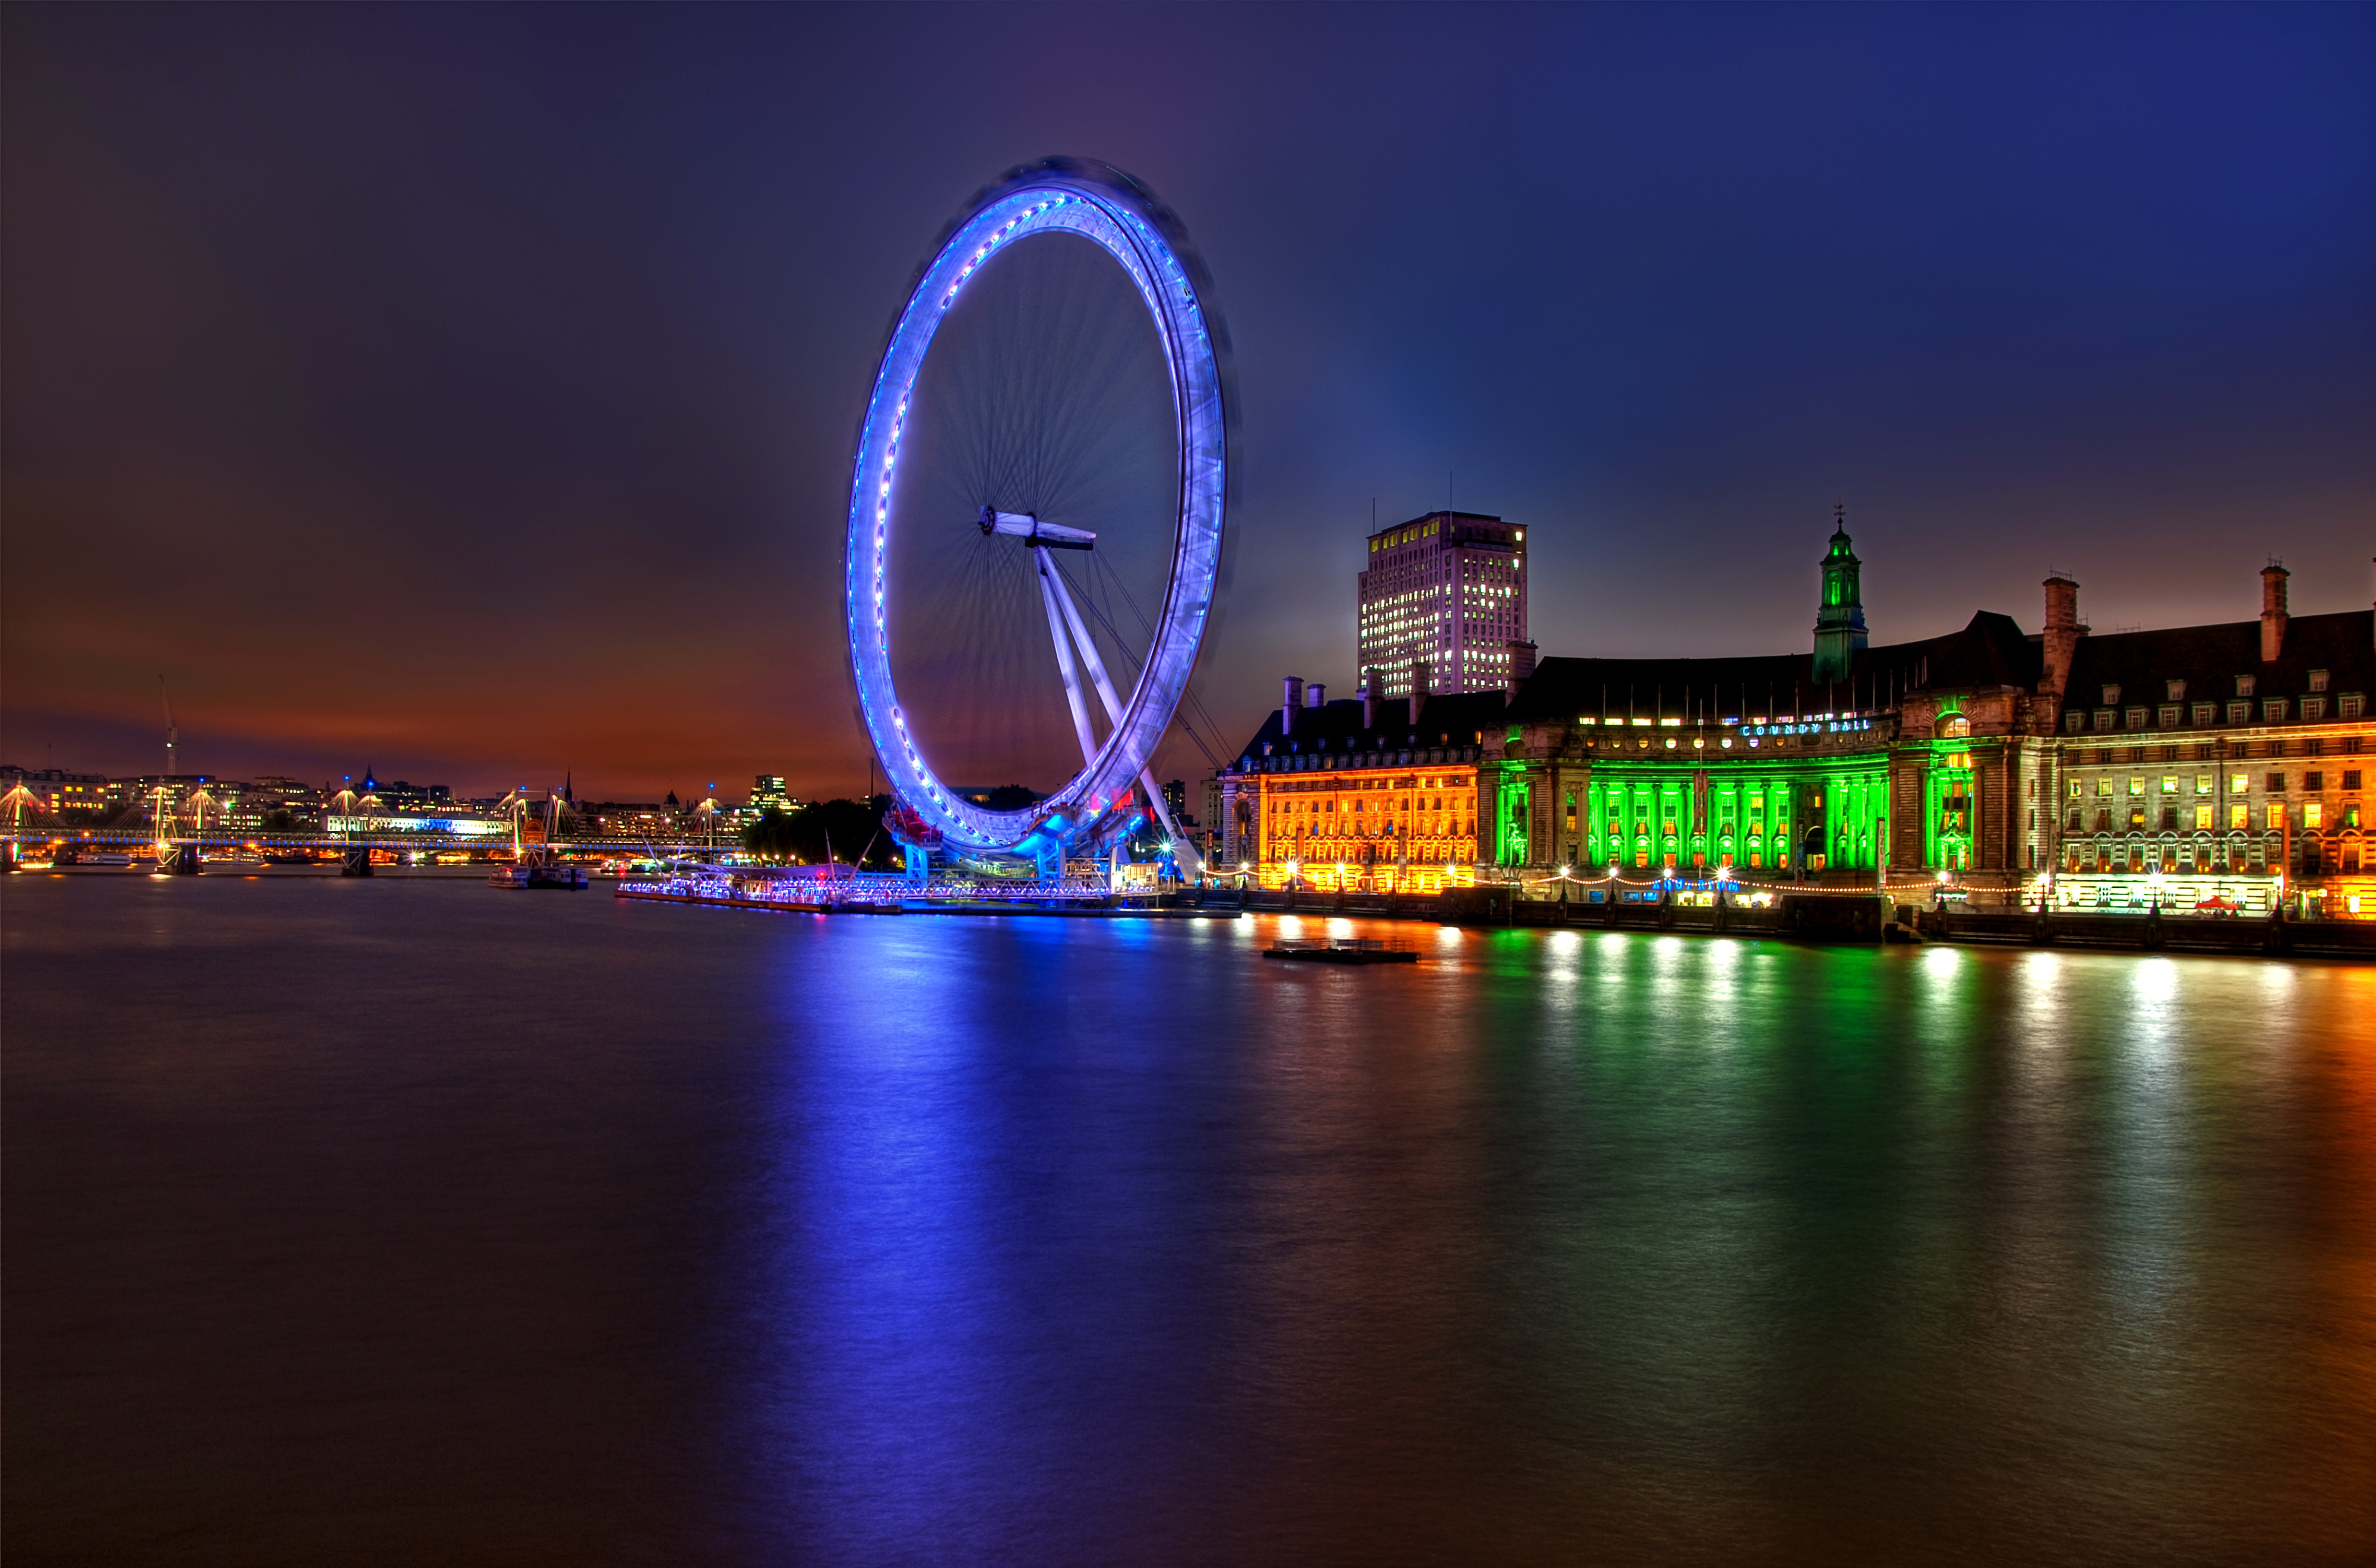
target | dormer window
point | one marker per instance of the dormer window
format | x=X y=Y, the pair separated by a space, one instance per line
x=2169 y=716
x=2318 y=680
x=2175 y=691
x=2244 y=685
x=2111 y=696
x=2137 y=718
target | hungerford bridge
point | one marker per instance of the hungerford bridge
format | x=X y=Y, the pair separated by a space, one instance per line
x=178 y=824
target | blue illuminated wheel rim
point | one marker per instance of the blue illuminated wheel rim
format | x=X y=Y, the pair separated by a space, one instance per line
x=1124 y=220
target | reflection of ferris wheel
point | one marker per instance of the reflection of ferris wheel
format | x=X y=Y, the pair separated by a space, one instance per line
x=973 y=498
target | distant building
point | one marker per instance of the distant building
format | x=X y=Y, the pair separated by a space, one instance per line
x=769 y=793
x=183 y=791
x=76 y=798
x=401 y=795
x=276 y=803
x=232 y=809
x=2218 y=765
x=1444 y=606
x=632 y=819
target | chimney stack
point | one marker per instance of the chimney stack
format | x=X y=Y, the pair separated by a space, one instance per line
x=1419 y=690
x=1522 y=664
x=1290 y=701
x=2272 y=610
x=2062 y=639
x=1373 y=690
x=1315 y=695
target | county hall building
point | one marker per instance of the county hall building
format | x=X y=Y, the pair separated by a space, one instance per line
x=2219 y=765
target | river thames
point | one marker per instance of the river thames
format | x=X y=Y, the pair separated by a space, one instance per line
x=403 y=1221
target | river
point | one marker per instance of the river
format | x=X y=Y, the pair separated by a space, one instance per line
x=409 y=1221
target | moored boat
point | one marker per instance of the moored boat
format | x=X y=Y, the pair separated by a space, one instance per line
x=1344 y=950
x=538 y=874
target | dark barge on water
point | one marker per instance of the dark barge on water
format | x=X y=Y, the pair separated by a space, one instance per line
x=1342 y=950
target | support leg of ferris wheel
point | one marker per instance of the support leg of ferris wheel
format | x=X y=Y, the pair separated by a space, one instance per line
x=1052 y=586
x=1051 y=862
x=1051 y=594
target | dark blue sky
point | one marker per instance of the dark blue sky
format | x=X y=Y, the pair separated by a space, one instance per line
x=469 y=391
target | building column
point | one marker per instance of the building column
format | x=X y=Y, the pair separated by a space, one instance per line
x=1989 y=780
x=1909 y=833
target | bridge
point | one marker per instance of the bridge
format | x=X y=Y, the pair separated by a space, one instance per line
x=117 y=839
x=182 y=822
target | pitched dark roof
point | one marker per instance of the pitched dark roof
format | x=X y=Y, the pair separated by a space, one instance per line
x=1991 y=651
x=1448 y=718
x=1653 y=688
x=2208 y=658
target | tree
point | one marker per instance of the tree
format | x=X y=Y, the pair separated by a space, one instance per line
x=772 y=835
x=842 y=830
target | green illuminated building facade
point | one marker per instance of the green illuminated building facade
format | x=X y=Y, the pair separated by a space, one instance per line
x=2191 y=762
x=1848 y=763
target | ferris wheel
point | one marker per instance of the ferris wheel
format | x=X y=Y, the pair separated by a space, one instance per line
x=1037 y=508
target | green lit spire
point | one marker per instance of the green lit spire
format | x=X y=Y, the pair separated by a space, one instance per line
x=1839 y=621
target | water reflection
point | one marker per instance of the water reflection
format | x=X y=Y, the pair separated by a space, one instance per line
x=1749 y=1248
x=856 y=1242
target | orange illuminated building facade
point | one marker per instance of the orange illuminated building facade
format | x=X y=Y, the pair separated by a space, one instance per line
x=1360 y=795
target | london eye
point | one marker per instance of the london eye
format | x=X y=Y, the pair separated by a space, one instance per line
x=1036 y=522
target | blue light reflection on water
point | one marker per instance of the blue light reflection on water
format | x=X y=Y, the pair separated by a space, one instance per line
x=1569 y=1231
x=978 y=1254
x=675 y=1235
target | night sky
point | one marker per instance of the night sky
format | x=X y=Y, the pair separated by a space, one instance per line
x=469 y=392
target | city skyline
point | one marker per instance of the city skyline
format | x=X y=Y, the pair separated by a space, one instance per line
x=402 y=399
x=840 y=784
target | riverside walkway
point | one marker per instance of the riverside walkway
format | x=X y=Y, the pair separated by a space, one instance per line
x=1826 y=916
